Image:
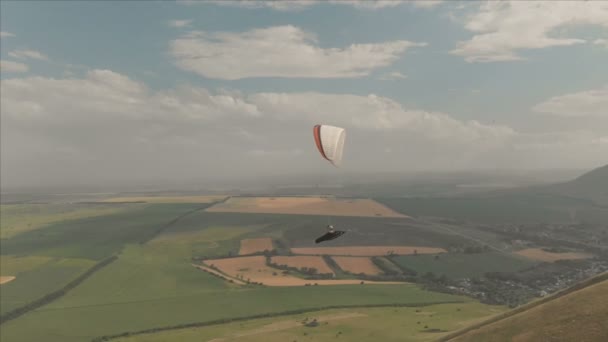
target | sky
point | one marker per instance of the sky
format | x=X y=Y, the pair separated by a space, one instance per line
x=94 y=92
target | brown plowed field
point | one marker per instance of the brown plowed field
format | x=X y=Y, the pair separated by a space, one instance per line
x=367 y=250
x=305 y=206
x=249 y=246
x=301 y=261
x=357 y=265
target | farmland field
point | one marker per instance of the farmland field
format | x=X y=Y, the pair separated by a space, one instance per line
x=367 y=250
x=305 y=206
x=254 y=269
x=35 y=277
x=166 y=199
x=153 y=283
x=249 y=246
x=146 y=289
x=95 y=237
x=357 y=265
x=300 y=261
x=359 y=324
x=541 y=255
x=463 y=265
x=20 y=218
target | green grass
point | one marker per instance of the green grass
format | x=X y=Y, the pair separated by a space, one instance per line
x=463 y=265
x=360 y=324
x=144 y=289
x=35 y=277
x=19 y=218
x=94 y=237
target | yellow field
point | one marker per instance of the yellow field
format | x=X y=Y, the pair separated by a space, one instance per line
x=357 y=265
x=254 y=269
x=305 y=206
x=167 y=199
x=539 y=254
x=301 y=261
x=249 y=246
x=367 y=250
x=6 y=279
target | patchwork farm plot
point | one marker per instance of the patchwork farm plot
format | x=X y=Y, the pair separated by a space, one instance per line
x=301 y=261
x=306 y=206
x=254 y=269
x=357 y=265
x=367 y=250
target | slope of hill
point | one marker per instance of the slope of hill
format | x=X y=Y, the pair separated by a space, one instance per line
x=575 y=315
x=592 y=185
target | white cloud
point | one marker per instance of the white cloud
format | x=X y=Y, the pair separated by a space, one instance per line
x=502 y=28
x=592 y=102
x=280 y=51
x=180 y=23
x=298 y=5
x=601 y=42
x=32 y=54
x=426 y=3
x=4 y=34
x=10 y=66
x=106 y=124
x=391 y=76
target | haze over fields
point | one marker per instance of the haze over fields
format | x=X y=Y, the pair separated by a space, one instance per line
x=162 y=177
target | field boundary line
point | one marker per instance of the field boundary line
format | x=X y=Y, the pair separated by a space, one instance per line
x=48 y=298
x=171 y=223
x=268 y=315
x=577 y=287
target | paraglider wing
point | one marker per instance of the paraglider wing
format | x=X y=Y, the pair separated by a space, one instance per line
x=330 y=142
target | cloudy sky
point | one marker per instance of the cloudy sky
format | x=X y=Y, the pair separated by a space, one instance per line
x=159 y=90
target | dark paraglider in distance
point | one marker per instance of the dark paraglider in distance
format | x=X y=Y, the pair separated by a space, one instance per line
x=330 y=235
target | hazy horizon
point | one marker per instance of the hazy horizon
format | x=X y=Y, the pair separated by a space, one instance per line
x=94 y=93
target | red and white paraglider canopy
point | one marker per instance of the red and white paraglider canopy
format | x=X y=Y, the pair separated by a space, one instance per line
x=330 y=142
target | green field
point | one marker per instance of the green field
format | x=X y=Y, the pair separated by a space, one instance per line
x=20 y=218
x=357 y=324
x=35 y=277
x=458 y=265
x=95 y=237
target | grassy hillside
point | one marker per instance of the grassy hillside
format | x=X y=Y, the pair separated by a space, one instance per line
x=577 y=316
x=357 y=324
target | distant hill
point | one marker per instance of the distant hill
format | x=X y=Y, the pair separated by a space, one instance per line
x=591 y=185
x=579 y=314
